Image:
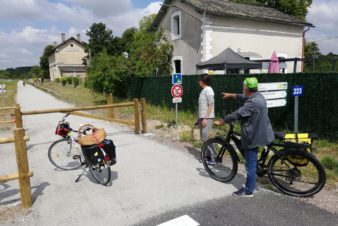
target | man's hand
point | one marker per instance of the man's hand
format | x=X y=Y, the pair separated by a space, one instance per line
x=204 y=123
x=219 y=123
x=228 y=95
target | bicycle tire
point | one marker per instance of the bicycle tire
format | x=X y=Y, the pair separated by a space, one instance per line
x=224 y=147
x=311 y=158
x=93 y=170
x=70 y=161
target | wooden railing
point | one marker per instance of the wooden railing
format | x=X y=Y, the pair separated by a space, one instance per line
x=23 y=174
x=110 y=115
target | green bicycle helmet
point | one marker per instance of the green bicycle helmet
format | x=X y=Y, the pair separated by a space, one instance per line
x=251 y=83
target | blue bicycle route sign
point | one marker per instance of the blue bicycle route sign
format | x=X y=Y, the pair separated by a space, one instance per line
x=297 y=91
x=176 y=78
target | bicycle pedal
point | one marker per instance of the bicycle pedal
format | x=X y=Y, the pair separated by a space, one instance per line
x=76 y=157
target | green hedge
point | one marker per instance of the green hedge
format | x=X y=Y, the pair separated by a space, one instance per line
x=318 y=106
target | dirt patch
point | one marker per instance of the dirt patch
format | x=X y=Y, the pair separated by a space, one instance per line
x=11 y=215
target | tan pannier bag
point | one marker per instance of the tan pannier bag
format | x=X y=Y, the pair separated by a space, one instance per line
x=96 y=138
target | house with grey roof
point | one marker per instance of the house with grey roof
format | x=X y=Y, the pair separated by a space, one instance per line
x=66 y=59
x=200 y=30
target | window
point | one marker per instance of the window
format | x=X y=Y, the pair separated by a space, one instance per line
x=176 y=25
x=177 y=64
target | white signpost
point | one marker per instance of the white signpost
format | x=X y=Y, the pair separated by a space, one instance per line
x=176 y=92
x=2 y=88
x=275 y=93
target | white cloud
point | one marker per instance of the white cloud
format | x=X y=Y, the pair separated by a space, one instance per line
x=104 y=8
x=40 y=23
x=324 y=15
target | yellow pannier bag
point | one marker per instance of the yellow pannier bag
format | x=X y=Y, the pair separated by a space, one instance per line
x=303 y=138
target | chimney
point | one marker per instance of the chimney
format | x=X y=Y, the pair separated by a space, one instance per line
x=78 y=37
x=63 y=37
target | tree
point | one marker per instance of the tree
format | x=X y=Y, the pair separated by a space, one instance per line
x=44 y=64
x=151 y=52
x=101 y=38
x=139 y=52
x=296 y=8
x=35 y=72
x=106 y=72
x=316 y=61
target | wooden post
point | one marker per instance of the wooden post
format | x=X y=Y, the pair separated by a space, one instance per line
x=110 y=110
x=136 y=116
x=144 y=115
x=18 y=116
x=23 y=169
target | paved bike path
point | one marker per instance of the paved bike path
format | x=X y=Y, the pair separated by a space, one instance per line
x=150 y=178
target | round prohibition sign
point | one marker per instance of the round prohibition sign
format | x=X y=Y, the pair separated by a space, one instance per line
x=177 y=91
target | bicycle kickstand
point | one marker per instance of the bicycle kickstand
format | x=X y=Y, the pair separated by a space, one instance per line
x=77 y=180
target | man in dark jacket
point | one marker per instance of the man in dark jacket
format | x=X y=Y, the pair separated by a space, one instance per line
x=256 y=129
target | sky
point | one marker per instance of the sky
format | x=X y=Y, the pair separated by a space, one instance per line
x=27 y=26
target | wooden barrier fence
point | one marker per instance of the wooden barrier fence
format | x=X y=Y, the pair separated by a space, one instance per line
x=23 y=174
x=110 y=115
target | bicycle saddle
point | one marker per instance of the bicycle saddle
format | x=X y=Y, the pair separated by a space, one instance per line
x=280 y=135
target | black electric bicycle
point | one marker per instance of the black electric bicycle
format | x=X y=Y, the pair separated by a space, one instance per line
x=290 y=166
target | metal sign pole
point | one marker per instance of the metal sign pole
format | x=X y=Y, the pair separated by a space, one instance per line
x=176 y=106
x=296 y=114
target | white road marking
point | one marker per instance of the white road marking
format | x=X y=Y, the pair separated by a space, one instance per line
x=181 y=221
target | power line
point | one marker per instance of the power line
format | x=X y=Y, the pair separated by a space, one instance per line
x=318 y=39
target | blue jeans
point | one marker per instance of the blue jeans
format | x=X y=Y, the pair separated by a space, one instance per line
x=251 y=167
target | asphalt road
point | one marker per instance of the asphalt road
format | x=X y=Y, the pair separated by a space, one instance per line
x=153 y=182
x=265 y=209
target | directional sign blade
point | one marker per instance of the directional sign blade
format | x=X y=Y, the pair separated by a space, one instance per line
x=276 y=103
x=272 y=86
x=274 y=95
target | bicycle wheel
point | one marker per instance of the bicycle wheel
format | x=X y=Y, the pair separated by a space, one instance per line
x=101 y=172
x=225 y=167
x=293 y=179
x=63 y=155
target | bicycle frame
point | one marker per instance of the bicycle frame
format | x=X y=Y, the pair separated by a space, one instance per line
x=236 y=139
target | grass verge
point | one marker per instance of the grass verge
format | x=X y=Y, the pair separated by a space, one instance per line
x=7 y=99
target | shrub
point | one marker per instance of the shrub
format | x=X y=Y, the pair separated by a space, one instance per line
x=70 y=80
x=57 y=80
x=76 y=81
x=64 y=81
x=330 y=163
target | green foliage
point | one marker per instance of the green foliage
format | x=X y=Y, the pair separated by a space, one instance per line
x=330 y=163
x=317 y=62
x=69 y=80
x=64 y=81
x=57 y=80
x=296 y=8
x=142 y=52
x=5 y=74
x=76 y=81
x=101 y=38
x=44 y=64
x=106 y=72
x=15 y=73
x=35 y=72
